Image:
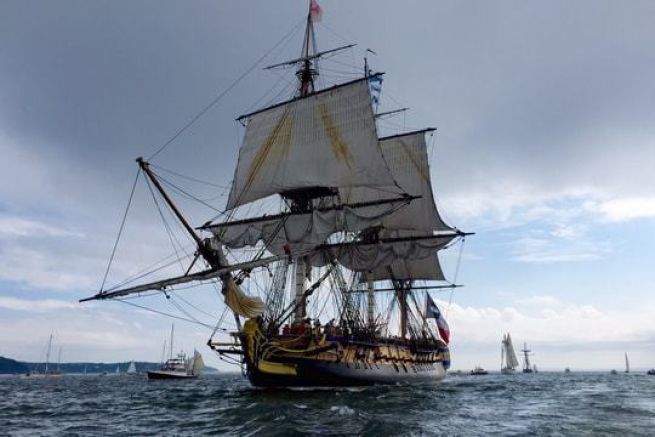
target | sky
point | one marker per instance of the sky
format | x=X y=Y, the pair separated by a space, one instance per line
x=545 y=149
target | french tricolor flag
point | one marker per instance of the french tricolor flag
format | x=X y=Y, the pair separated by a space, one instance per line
x=432 y=312
x=315 y=11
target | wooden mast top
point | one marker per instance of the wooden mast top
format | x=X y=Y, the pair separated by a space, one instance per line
x=307 y=71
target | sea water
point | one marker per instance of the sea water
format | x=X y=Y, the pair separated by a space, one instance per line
x=538 y=404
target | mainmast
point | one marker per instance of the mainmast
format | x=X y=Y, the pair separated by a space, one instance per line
x=172 y=332
x=308 y=70
x=306 y=74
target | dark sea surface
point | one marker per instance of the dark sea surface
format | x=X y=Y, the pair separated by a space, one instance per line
x=541 y=404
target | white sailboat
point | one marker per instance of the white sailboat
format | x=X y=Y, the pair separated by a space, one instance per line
x=179 y=367
x=627 y=363
x=47 y=371
x=131 y=370
x=508 y=360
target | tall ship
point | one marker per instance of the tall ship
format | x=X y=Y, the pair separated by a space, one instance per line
x=526 y=359
x=508 y=360
x=333 y=288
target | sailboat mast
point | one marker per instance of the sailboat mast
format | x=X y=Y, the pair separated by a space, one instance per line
x=59 y=359
x=163 y=352
x=47 y=355
x=172 y=332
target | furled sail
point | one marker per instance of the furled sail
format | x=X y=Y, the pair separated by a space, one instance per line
x=286 y=233
x=407 y=158
x=327 y=139
x=427 y=268
x=379 y=258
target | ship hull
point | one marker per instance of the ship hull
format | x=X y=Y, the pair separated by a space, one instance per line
x=347 y=375
x=320 y=361
x=155 y=374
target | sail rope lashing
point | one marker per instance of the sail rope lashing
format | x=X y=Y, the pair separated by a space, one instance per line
x=459 y=260
x=222 y=93
x=120 y=230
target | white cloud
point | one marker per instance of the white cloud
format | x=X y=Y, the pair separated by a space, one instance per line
x=624 y=209
x=557 y=321
x=20 y=227
x=552 y=250
x=15 y=304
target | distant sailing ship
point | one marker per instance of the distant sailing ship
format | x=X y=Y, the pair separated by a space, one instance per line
x=179 y=367
x=47 y=371
x=358 y=218
x=627 y=363
x=131 y=370
x=526 y=359
x=508 y=360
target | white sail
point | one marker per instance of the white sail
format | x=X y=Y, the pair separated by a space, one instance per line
x=327 y=139
x=627 y=364
x=132 y=368
x=512 y=360
x=407 y=158
x=197 y=363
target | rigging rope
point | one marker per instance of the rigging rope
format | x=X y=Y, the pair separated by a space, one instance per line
x=170 y=233
x=120 y=230
x=165 y=314
x=459 y=260
x=221 y=95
